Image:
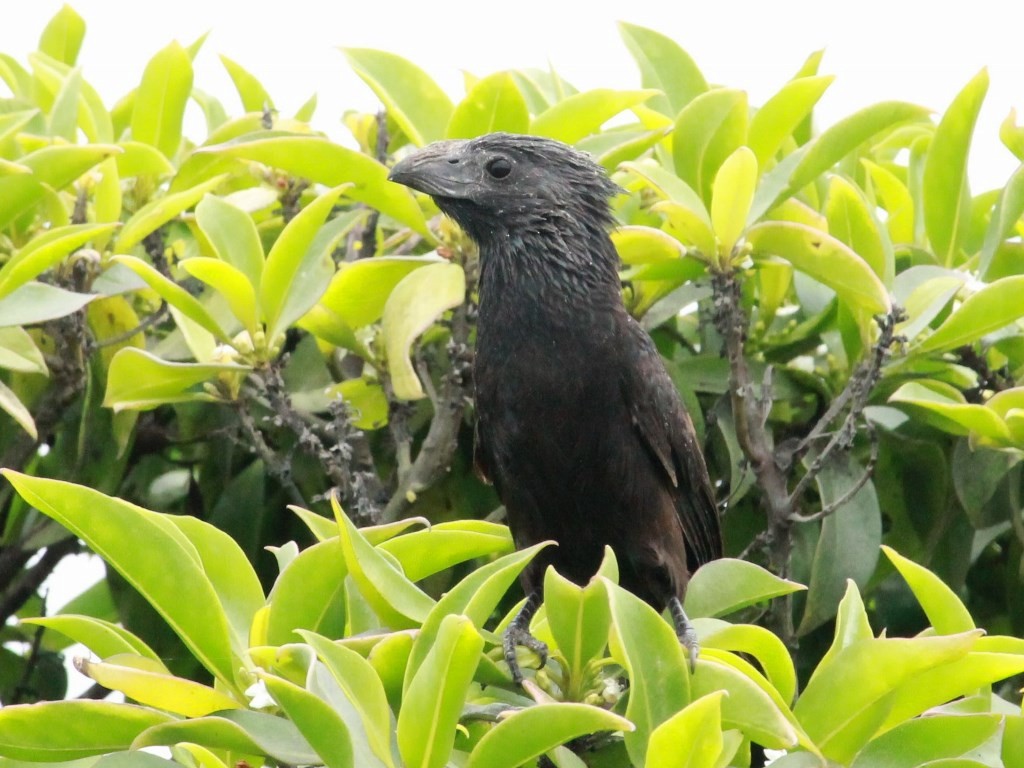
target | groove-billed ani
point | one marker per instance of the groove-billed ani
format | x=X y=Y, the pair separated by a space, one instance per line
x=579 y=426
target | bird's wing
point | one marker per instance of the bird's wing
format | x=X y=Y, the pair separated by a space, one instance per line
x=665 y=428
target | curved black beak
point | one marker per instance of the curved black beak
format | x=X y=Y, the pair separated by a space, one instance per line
x=441 y=169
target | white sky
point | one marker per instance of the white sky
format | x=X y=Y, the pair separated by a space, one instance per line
x=917 y=51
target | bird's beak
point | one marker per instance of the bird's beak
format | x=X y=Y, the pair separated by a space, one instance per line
x=439 y=169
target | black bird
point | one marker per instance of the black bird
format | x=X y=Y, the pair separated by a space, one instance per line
x=579 y=426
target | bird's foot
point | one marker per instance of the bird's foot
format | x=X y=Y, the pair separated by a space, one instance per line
x=518 y=633
x=684 y=631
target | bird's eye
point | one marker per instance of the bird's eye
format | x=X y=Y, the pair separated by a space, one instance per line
x=499 y=167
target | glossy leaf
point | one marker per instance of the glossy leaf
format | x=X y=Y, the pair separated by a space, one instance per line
x=296 y=273
x=233 y=235
x=691 y=738
x=156 y=559
x=851 y=220
x=757 y=642
x=230 y=283
x=663 y=66
x=726 y=585
x=323 y=161
x=412 y=307
x=309 y=595
x=18 y=352
x=945 y=171
x=149 y=684
x=946 y=613
x=434 y=697
x=161 y=98
x=62 y=37
x=492 y=104
x=780 y=116
x=158 y=212
x=252 y=93
x=579 y=620
x=895 y=198
x=364 y=691
x=67 y=730
x=240 y=731
x=103 y=638
x=928 y=739
x=38 y=302
x=419 y=106
x=584 y=113
x=423 y=553
x=825 y=259
x=138 y=380
x=945 y=407
x=644 y=644
x=397 y=601
x=868 y=672
x=316 y=720
x=852 y=626
x=993 y=307
x=45 y=251
x=531 y=732
x=709 y=129
x=1005 y=217
x=13 y=407
x=731 y=196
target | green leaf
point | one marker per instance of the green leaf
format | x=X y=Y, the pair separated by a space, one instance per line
x=413 y=306
x=13 y=407
x=993 y=307
x=363 y=689
x=63 y=35
x=1005 y=217
x=851 y=220
x=295 y=273
x=708 y=130
x=476 y=597
x=232 y=284
x=726 y=585
x=867 y=673
x=759 y=643
x=396 y=600
x=316 y=720
x=944 y=407
x=38 y=302
x=45 y=251
x=663 y=66
x=309 y=594
x=161 y=99
x=360 y=289
x=691 y=738
x=947 y=614
x=103 y=638
x=433 y=699
x=928 y=739
x=837 y=141
x=530 y=732
x=731 y=196
x=18 y=352
x=233 y=235
x=322 y=161
x=67 y=730
x=152 y=555
x=824 y=258
x=848 y=543
x=238 y=730
x=895 y=199
x=582 y=114
x=579 y=620
x=64 y=115
x=174 y=295
x=138 y=380
x=412 y=99
x=946 y=192
x=492 y=104
x=138 y=159
x=782 y=114
x=424 y=553
x=148 y=683
x=254 y=96
x=852 y=626
x=644 y=644
x=750 y=706
x=1012 y=135
x=158 y=212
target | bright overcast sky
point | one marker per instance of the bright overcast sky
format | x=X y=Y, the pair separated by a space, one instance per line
x=917 y=51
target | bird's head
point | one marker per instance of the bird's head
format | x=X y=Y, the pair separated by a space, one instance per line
x=506 y=183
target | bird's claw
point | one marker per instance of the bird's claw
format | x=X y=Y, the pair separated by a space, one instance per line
x=685 y=632
x=516 y=635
